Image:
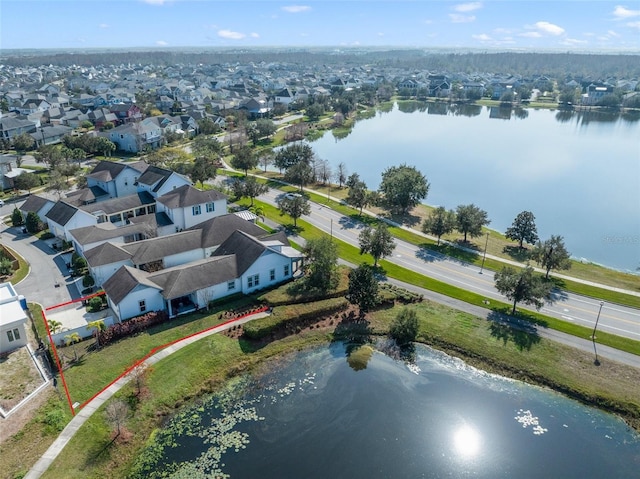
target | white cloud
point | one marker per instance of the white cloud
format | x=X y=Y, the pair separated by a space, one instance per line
x=502 y=30
x=612 y=33
x=103 y=25
x=634 y=25
x=467 y=7
x=161 y=43
x=530 y=34
x=457 y=18
x=549 y=28
x=621 y=12
x=573 y=42
x=155 y=2
x=296 y=8
x=483 y=37
x=381 y=34
x=254 y=35
x=231 y=35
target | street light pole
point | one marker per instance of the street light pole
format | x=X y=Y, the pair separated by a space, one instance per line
x=484 y=256
x=593 y=335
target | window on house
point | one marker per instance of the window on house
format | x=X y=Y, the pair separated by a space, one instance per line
x=231 y=285
x=196 y=210
x=10 y=336
x=16 y=333
x=253 y=281
x=143 y=305
x=210 y=207
x=286 y=270
x=272 y=275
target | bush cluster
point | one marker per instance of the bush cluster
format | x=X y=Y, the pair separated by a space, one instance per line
x=292 y=318
x=132 y=326
x=390 y=293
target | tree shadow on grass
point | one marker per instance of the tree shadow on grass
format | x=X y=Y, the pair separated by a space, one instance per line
x=407 y=219
x=522 y=319
x=431 y=253
x=516 y=253
x=523 y=334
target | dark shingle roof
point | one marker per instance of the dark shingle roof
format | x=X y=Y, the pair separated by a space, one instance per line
x=107 y=231
x=106 y=253
x=86 y=195
x=61 y=213
x=106 y=170
x=187 y=195
x=155 y=249
x=116 y=205
x=124 y=281
x=153 y=175
x=246 y=247
x=185 y=279
x=215 y=231
x=34 y=203
x=161 y=219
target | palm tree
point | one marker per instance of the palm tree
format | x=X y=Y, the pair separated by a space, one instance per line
x=54 y=326
x=99 y=326
x=258 y=211
x=73 y=338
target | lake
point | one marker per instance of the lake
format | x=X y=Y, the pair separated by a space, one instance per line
x=578 y=172
x=323 y=414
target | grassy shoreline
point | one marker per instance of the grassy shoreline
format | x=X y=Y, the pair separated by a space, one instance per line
x=215 y=360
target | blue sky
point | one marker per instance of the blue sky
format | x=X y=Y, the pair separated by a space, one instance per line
x=567 y=25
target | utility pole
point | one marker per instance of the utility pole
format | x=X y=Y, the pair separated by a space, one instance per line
x=484 y=256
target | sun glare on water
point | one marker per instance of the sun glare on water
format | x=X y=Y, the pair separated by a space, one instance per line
x=466 y=441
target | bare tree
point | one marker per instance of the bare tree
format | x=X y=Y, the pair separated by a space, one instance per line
x=116 y=414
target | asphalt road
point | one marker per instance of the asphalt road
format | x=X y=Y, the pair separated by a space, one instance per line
x=616 y=319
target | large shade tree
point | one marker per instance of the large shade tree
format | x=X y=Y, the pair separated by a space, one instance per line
x=322 y=264
x=363 y=288
x=523 y=229
x=293 y=154
x=522 y=286
x=244 y=159
x=377 y=241
x=439 y=222
x=402 y=188
x=294 y=206
x=470 y=219
x=552 y=254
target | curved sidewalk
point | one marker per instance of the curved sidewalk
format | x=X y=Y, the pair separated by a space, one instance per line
x=85 y=413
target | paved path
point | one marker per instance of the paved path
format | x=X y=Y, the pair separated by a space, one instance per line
x=79 y=419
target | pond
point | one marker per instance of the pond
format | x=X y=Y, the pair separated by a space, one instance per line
x=578 y=172
x=355 y=412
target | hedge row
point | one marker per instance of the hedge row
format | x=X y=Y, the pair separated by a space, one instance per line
x=131 y=326
x=293 y=316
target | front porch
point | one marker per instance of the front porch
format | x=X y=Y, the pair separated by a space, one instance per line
x=181 y=305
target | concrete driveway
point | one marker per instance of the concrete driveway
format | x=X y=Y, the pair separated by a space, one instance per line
x=48 y=282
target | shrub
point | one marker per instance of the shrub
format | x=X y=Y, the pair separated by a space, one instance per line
x=88 y=281
x=95 y=304
x=404 y=327
x=33 y=223
x=132 y=326
x=16 y=217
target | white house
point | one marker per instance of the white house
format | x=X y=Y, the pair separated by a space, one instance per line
x=36 y=204
x=117 y=179
x=13 y=319
x=159 y=181
x=242 y=264
x=63 y=217
x=187 y=206
x=135 y=136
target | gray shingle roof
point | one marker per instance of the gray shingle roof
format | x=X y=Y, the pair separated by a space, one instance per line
x=215 y=231
x=155 y=249
x=246 y=247
x=34 y=203
x=153 y=175
x=106 y=253
x=86 y=195
x=116 y=205
x=61 y=213
x=185 y=279
x=187 y=195
x=124 y=281
x=107 y=231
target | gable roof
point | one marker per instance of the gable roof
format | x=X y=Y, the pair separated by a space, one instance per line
x=215 y=231
x=85 y=195
x=246 y=247
x=61 y=213
x=115 y=205
x=153 y=175
x=124 y=281
x=109 y=170
x=34 y=203
x=185 y=279
x=106 y=253
x=107 y=231
x=187 y=195
x=154 y=249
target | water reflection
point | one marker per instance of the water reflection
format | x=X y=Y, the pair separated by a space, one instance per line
x=466 y=441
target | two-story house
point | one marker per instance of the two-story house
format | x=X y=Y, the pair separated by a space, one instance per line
x=187 y=206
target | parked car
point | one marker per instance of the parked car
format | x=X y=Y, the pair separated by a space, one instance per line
x=1 y=202
x=291 y=196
